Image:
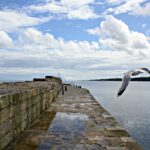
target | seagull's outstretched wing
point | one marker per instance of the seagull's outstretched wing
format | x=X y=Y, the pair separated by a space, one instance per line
x=127 y=78
x=139 y=71
x=125 y=82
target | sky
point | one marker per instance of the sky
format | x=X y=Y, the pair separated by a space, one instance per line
x=74 y=39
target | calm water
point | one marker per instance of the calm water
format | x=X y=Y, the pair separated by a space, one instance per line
x=131 y=110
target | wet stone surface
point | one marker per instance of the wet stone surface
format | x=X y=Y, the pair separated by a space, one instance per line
x=75 y=121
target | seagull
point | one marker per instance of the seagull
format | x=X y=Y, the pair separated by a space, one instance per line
x=127 y=78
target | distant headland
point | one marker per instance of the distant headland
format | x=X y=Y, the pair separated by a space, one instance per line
x=120 y=79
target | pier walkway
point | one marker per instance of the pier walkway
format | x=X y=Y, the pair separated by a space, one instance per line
x=75 y=121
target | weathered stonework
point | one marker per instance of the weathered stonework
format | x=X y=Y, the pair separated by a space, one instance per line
x=75 y=121
x=22 y=104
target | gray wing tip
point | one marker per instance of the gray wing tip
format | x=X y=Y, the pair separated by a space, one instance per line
x=120 y=93
x=146 y=69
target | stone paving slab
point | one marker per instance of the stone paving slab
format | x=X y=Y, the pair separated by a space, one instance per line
x=75 y=121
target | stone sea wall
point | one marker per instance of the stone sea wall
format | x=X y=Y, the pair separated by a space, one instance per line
x=75 y=121
x=23 y=103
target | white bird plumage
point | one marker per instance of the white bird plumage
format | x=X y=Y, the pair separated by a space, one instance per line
x=127 y=78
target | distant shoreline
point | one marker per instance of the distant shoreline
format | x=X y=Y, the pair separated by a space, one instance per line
x=120 y=79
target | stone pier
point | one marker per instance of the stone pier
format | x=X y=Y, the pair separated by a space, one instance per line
x=75 y=121
x=22 y=104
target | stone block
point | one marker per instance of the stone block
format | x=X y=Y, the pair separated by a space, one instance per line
x=24 y=95
x=17 y=119
x=24 y=124
x=115 y=132
x=6 y=139
x=6 y=127
x=4 y=101
x=4 y=114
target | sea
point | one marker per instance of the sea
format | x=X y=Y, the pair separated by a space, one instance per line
x=131 y=110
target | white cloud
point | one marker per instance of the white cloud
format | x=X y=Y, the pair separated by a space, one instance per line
x=37 y=53
x=12 y=19
x=142 y=10
x=116 y=35
x=115 y=29
x=94 y=31
x=135 y=7
x=5 y=40
x=32 y=37
x=115 y=2
x=75 y=9
x=86 y=12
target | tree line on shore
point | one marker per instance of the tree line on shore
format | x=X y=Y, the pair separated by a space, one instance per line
x=120 y=79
